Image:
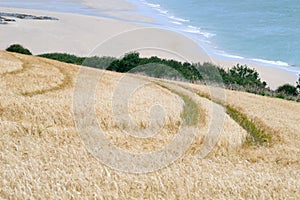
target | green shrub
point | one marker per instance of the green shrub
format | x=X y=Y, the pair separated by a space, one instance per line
x=245 y=76
x=18 y=49
x=64 y=57
x=239 y=77
x=262 y=93
x=287 y=89
x=131 y=62
x=210 y=72
x=128 y=62
x=157 y=70
x=280 y=95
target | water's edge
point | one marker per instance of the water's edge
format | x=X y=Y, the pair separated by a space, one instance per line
x=174 y=23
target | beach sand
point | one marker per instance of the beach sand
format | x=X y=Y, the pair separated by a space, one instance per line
x=117 y=8
x=89 y=35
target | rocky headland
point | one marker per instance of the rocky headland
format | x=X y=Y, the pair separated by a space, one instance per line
x=5 y=18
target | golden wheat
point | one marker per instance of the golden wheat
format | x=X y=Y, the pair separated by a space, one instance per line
x=42 y=156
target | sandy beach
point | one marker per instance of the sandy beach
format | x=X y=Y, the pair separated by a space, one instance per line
x=90 y=35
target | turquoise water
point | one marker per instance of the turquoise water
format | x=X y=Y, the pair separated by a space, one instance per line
x=258 y=31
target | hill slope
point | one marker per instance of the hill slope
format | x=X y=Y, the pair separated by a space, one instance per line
x=45 y=152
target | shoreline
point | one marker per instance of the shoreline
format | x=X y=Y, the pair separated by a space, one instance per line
x=53 y=34
x=184 y=26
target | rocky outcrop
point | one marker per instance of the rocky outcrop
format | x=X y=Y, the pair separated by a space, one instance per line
x=5 y=20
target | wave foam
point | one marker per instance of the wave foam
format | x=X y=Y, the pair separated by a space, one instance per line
x=279 y=63
x=176 y=22
x=156 y=7
x=163 y=11
x=177 y=18
x=152 y=5
x=197 y=30
x=233 y=56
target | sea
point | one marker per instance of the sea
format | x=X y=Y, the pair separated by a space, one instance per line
x=265 y=32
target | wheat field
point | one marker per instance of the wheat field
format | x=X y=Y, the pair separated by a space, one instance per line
x=43 y=155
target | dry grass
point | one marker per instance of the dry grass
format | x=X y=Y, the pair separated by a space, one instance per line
x=42 y=156
x=258 y=134
x=213 y=119
x=278 y=117
x=9 y=64
x=147 y=110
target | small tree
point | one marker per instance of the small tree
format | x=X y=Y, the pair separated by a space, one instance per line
x=129 y=62
x=18 y=49
x=244 y=76
x=287 y=89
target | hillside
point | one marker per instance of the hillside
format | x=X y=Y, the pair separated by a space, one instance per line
x=51 y=114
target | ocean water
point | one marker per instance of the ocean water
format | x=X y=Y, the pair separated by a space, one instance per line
x=257 y=31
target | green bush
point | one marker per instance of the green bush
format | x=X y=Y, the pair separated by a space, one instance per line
x=131 y=62
x=18 y=49
x=280 y=95
x=64 y=57
x=287 y=89
x=158 y=71
x=127 y=63
x=210 y=72
x=244 y=76
x=239 y=77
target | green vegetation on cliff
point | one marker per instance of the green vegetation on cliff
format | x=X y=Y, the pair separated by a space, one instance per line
x=239 y=77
